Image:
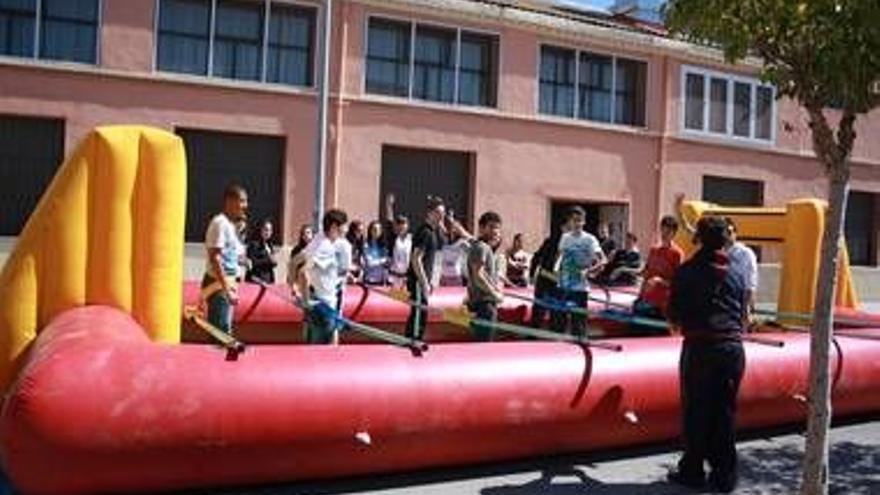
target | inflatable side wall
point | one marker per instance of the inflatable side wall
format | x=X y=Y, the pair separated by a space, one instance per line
x=112 y=412
x=108 y=230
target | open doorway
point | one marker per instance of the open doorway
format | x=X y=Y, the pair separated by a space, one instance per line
x=615 y=215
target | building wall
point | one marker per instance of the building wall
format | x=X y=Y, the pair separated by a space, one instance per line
x=127 y=36
x=520 y=165
x=86 y=101
x=523 y=160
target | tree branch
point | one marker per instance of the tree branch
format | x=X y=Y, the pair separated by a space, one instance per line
x=846 y=134
x=824 y=144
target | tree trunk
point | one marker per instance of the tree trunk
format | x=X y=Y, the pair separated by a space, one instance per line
x=815 y=474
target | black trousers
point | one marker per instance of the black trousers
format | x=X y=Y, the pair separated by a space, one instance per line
x=485 y=311
x=539 y=312
x=710 y=374
x=414 y=331
x=564 y=321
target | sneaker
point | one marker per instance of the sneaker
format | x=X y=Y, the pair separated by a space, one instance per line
x=689 y=480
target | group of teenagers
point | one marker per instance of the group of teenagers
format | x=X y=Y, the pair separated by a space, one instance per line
x=708 y=297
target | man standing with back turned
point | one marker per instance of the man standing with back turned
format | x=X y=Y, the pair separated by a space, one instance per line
x=709 y=300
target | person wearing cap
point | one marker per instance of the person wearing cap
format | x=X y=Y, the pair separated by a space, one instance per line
x=708 y=302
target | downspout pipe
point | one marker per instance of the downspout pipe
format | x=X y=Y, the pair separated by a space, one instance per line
x=662 y=143
x=323 y=101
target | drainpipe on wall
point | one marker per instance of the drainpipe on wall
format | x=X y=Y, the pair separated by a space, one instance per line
x=663 y=142
x=323 y=85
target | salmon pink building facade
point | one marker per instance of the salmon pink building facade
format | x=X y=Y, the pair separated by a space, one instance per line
x=516 y=107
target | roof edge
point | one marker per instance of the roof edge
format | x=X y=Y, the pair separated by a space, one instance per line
x=531 y=16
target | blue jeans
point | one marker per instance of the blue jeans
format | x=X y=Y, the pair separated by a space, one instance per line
x=219 y=308
x=320 y=324
x=220 y=311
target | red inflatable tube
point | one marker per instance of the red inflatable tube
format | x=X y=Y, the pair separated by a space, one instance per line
x=100 y=409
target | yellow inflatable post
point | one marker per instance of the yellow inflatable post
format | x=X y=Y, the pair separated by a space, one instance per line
x=762 y=227
x=798 y=228
x=800 y=256
x=108 y=230
x=846 y=296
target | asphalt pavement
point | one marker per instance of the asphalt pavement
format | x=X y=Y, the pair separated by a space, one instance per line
x=770 y=463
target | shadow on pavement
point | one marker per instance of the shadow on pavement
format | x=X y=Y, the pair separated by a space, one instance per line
x=764 y=470
x=559 y=481
x=855 y=469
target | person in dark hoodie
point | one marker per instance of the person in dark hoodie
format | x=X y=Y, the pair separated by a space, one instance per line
x=261 y=253
x=541 y=272
x=709 y=303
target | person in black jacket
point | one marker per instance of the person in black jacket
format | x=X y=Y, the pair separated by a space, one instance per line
x=261 y=253
x=709 y=303
x=427 y=242
x=541 y=271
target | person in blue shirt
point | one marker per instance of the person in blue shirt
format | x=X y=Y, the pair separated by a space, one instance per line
x=709 y=303
x=580 y=257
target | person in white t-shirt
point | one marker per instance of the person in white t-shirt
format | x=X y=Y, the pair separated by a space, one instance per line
x=452 y=261
x=580 y=256
x=225 y=252
x=398 y=242
x=317 y=272
x=743 y=259
x=401 y=249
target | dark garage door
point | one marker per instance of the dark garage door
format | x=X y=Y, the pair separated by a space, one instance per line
x=861 y=230
x=733 y=192
x=216 y=159
x=413 y=174
x=31 y=149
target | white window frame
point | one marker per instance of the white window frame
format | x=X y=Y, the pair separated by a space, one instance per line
x=731 y=79
x=414 y=24
x=38 y=32
x=264 y=49
x=577 y=81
